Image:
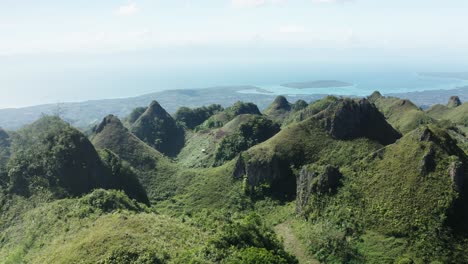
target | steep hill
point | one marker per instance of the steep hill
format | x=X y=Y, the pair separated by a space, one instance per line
x=158 y=129
x=414 y=211
x=345 y=131
x=279 y=109
x=50 y=155
x=152 y=166
x=206 y=148
x=57 y=157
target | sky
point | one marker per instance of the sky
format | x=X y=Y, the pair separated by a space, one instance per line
x=55 y=26
x=88 y=34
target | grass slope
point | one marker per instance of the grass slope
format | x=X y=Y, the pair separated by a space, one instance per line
x=457 y=115
x=402 y=203
x=153 y=168
x=401 y=114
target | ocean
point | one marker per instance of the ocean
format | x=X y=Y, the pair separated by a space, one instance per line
x=26 y=81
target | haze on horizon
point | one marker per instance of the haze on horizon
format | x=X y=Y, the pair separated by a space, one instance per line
x=68 y=51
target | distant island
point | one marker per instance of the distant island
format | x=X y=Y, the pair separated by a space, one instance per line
x=449 y=75
x=317 y=84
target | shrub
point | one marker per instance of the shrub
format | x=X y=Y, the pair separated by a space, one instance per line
x=194 y=117
x=256 y=130
x=248 y=240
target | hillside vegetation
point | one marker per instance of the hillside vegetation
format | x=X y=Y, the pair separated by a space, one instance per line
x=341 y=180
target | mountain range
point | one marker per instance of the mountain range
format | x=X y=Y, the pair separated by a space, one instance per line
x=323 y=180
x=89 y=113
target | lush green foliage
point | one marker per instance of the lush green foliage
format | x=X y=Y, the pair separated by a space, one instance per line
x=50 y=154
x=159 y=130
x=299 y=105
x=279 y=109
x=458 y=115
x=228 y=114
x=5 y=144
x=401 y=114
x=408 y=208
x=311 y=110
x=253 y=132
x=247 y=241
x=194 y=117
x=152 y=168
x=123 y=176
x=135 y=114
x=324 y=183
x=102 y=227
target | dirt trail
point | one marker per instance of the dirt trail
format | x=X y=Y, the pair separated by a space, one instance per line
x=293 y=245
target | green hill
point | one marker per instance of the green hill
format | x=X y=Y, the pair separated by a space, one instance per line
x=151 y=166
x=51 y=156
x=279 y=109
x=345 y=131
x=220 y=119
x=457 y=115
x=191 y=118
x=401 y=114
x=158 y=129
x=206 y=148
x=380 y=212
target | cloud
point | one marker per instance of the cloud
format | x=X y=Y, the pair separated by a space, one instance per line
x=331 y=1
x=292 y=29
x=254 y=3
x=127 y=10
x=260 y=3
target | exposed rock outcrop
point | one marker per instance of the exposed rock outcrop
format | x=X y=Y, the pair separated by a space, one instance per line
x=453 y=102
x=266 y=170
x=457 y=175
x=350 y=119
x=428 y=162
x=315 y=180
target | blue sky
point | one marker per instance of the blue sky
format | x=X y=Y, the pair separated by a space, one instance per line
x=54 y=26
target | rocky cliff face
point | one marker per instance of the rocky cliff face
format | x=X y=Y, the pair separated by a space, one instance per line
x=158 y=129
x=349 y=119
x=454 y=101
x=315 y=139
x=457 y=169
x=315 y=180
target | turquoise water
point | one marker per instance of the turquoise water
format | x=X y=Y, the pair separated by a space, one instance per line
x=30 y=81
x=366 y=83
